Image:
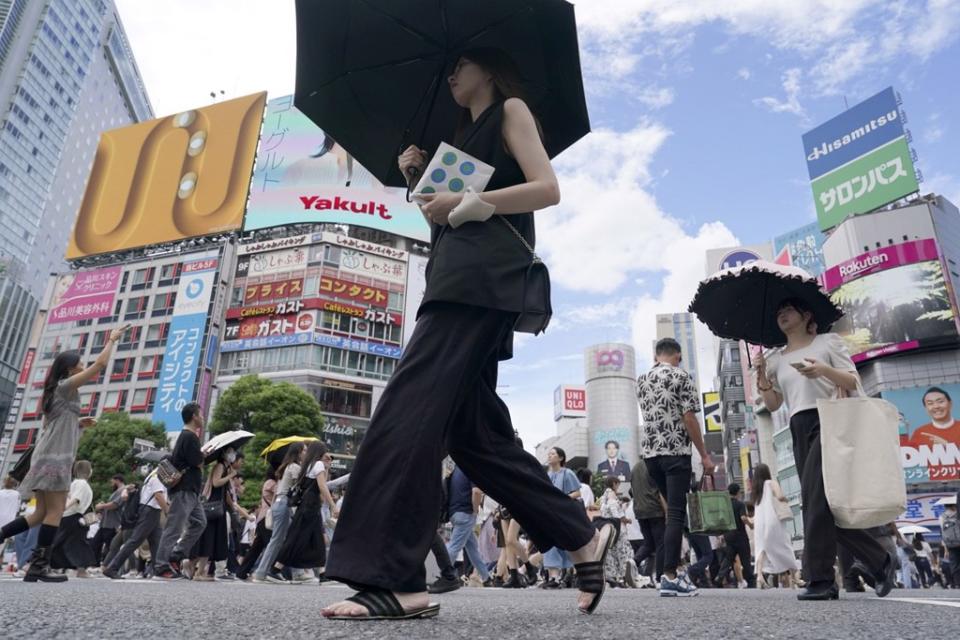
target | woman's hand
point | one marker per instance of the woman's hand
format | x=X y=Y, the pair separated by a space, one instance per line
x=760 y=364
x=335 y=513
x=439 y=205
x=116 y=334
x=412 y=158
x=814 y=369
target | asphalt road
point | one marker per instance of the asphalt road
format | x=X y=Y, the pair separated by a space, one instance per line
x=100 y=608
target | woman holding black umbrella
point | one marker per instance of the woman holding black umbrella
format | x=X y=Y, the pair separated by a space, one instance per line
x=442 y=398
x=813 y=366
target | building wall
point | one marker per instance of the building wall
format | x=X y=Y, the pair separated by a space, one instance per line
x=610 y=371
x=680 y=327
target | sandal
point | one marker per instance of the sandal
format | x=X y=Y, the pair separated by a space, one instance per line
x=590 y=574
x=383 y=605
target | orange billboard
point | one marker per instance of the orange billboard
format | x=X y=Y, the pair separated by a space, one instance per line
x=163 y=180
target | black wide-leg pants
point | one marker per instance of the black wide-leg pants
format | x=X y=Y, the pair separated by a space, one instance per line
x=820 y=531
x=442 y=399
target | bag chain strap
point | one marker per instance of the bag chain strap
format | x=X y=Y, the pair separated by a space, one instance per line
x=521 y=238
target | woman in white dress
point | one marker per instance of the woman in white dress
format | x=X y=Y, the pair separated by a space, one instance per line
x=772 y=544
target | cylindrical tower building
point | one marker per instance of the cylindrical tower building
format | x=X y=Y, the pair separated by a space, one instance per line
x=610 y=370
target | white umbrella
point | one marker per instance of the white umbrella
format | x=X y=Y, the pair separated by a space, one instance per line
x=945 y=501
x=216 y=444
x=913 y=528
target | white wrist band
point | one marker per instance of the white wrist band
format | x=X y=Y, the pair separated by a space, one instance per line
x=470 y=209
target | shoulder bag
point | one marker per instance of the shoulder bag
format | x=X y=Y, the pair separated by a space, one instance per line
x=862 y=472
x=168 y=474
x=19 y=471
x=212 y=509
x=537 y=309
x=710 y=512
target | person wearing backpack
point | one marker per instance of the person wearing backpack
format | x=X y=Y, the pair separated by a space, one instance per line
x=149 y=502
x=950 y=538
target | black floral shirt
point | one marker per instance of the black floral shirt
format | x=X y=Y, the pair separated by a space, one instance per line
x=665 y=394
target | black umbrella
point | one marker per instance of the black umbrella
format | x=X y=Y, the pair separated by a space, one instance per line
x=373 y=73
x=740 y=303
x=154 y=456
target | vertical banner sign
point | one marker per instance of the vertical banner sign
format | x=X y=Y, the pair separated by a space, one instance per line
x=859 y=160
x=181 y=360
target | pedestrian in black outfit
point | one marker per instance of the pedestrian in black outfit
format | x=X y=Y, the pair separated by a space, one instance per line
x=738 y=542
x=670 y=403
x=808 y=368
x=648 y=507
x=261 y=536
x=442 y=397
x=304 y=547
x=153 y=502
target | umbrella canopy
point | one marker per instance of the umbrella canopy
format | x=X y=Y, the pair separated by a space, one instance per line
x=154 y=456
x=373 y=73
x=276 y=450
x=913 y=528
x=216 y=444
x=740 y=303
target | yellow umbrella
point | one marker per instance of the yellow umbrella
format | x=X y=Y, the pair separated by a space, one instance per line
x=280 y=443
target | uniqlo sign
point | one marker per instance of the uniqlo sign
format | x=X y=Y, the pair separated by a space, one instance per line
x=569 y=402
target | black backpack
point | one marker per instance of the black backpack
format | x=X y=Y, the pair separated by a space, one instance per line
x=130 y=509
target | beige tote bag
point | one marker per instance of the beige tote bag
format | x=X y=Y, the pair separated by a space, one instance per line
x=862 y=474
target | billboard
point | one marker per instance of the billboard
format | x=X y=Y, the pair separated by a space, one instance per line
x=181 y=358
x=894 y=299
x=171 y=178
x=923 y=510
x=84 y=295
x=303 y=176
x=929 y=432
x=802 y=248
x=569 y=402
x=859 y=160
x=719 y=259
x=416 y=288
x=712 y=414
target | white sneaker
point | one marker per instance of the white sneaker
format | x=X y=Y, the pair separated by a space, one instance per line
x=19 y=573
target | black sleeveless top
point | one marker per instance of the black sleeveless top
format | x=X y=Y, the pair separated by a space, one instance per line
x=482 y=263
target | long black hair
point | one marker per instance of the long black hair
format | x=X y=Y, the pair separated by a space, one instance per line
x=315 y=451
x=292 y=456
x=507 y=82
x=562 y=455
x=761 y=473
x=59 y=370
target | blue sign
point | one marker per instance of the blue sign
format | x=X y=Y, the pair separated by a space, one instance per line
x=805 y=248
x=294 y=339
x=855 y=132
x=738 y=258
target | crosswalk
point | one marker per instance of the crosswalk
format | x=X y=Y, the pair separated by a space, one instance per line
x=938 y=602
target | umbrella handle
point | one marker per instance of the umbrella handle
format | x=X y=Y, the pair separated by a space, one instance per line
x=412 y=174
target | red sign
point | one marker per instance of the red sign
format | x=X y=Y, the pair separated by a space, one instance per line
x=267 y=291
x=27 y=365
x=282 y=308
x=575 y=399
x=352 y=291
x=200 y=265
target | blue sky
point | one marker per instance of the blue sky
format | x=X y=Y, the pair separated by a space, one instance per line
x=697 y=109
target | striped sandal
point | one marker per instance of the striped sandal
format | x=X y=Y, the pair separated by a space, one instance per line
x=590 y=577
x=383 y=605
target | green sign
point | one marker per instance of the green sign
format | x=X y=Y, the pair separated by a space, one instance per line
x=864 y=184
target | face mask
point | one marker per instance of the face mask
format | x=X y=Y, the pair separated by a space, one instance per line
x=231 y=457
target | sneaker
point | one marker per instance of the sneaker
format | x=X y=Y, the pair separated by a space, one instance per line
x=304 y=578
x=203 y=577
x=131 y=575
x=225 y=577
x=167 y=573
x=679 y=587
x=444 y=585
x=113 y=575
x=255 y=579
x=274 y=577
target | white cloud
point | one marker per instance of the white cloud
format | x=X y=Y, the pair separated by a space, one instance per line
x=744 y=73
x=791 y=104
x=934 y=129
x=656 y=98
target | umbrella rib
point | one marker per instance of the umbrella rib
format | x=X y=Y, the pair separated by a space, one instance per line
x=406 y=27
x=490 y=27
x=381 y=65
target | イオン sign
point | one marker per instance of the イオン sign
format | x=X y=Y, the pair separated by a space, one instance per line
x=171 y=178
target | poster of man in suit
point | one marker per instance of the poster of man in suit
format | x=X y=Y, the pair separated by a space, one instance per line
x=613 y=465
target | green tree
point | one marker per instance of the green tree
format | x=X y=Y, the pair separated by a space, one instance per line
x=270 y=410
x=109 y=448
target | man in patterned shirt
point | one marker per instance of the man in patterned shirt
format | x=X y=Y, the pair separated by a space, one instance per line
x=670 y=402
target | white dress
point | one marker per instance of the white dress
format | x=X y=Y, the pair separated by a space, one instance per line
x=771 y=535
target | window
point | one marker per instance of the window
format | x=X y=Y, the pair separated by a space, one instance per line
x=113 y=318
x=142 y=279
x=115 y=400
x=24 y=440
x=163 y=304
x=122 y=370
x=169 y=274
x=89 y=402
x=236 y=297
x=39 y=373
x=156 y=334
x=142 y=400
x=100 y=340
x=137 y=308
x=49 y=348
x=130 y=339
x=34 y=412
x=311 y=286
x=76 y=342
x=150 y=367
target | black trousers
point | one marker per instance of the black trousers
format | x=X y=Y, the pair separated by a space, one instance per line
x=671 y=474
x=820 y=531
x=101 y=542
x=739 y=545
x=439 y=549
x=261 y=537
x=653 y=530
x=442 y=399
x=147 y=528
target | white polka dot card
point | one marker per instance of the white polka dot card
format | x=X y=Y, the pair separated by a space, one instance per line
x=454 y=171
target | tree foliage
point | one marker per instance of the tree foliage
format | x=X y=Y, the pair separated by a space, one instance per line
x=270 y=410
x=109 y=448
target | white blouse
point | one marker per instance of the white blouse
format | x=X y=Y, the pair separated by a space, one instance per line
x=800 y=393
x=79 y=490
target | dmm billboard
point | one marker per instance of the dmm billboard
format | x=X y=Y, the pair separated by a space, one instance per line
x=164 y=180
x=929 y=432
x=859 y=160
x=303 y=175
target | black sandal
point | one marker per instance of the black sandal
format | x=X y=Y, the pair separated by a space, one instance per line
x=590 y=578
x=383 y=605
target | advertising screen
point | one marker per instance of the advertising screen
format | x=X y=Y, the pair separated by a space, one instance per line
x=929 y=432
x=84 y=295
x=802 y=248
x=302 y=175
x=894 y=299
x=712 y=414
x=172 y=178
